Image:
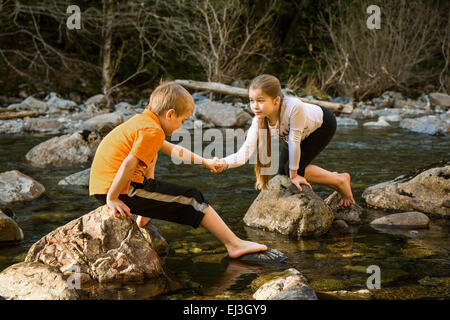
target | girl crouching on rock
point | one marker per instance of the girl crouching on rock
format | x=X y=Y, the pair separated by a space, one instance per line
x=305 y=129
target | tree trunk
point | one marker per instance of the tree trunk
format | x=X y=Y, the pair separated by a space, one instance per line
x=108 y=11
x=292 y=26
x=240 y=92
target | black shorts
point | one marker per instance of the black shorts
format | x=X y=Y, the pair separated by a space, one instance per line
x=311 y=146
x=165 y=201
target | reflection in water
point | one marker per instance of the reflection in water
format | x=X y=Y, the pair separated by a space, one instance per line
x=412 y=265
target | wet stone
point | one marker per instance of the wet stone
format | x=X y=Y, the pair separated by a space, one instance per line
x=269 y=256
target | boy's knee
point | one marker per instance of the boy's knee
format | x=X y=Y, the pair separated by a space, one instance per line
x=196 y=194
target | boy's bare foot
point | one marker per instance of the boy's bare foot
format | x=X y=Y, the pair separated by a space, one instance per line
x=244 y=247
x=142 y=221
x=345 y=190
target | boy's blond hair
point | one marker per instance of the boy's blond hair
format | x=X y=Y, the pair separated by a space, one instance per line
x=171 y=95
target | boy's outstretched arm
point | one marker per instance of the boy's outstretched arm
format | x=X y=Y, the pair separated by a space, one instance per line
x=181 y=153
x=123 y=176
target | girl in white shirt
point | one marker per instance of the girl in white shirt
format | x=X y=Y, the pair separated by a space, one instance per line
x=306 y=130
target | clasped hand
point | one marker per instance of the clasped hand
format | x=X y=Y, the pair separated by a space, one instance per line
x=215 y=165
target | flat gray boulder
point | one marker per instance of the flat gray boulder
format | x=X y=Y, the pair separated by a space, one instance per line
x=286 y=285
x=18 y=187
x=426 y=190
x=103 y=248
x=43 y=125
x=69 y=150
x=34 y=281
x=283 y=208
x=432 y=125
x=31 y=104
x=411 y=220
x=221 y=114
x=440 y=99
x=103 y=123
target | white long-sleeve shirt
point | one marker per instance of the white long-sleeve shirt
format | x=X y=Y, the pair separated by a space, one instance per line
x=297 y=121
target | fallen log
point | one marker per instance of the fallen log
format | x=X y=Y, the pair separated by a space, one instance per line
x=17 y=114
x=241 y=92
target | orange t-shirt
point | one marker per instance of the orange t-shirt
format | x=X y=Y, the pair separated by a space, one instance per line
x=141 y=136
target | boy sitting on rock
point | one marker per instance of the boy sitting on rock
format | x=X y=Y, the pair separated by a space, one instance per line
x=122 y=173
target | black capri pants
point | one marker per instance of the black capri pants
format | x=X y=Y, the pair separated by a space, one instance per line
x=311 y=146
x=165 y=201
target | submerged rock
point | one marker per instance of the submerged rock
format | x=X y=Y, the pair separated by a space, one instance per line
x=424 y=190
x=349 y=214
x=17 y=187
x=77 y=179
x=363 y=294
x=268 y=256
x=9 y=229
x=285 y=209
x=286 y=285
x=413 y=220
x=103 y=248
x=69 y=150
x=34 y=281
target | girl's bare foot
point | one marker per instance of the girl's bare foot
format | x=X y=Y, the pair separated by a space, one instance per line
x=243 y=247
x=142 y=221
x=345 y=190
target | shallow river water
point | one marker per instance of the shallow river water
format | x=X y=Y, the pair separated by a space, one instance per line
x=413 y=266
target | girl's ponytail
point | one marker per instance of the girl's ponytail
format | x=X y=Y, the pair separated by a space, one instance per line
x=264 y=149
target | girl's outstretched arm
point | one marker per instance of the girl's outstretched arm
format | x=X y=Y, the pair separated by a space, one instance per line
x=247 y=149
x=181 y=153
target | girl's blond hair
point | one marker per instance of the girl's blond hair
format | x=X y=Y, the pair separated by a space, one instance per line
x=270 y=85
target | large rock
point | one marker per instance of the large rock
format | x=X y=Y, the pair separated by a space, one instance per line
x=9 y=230
x=426 y=190
x=103 y=123
x=221 y=114
x=69 y=150
x=284 y=209
x=440 y=99
x=286 y=285
x=17 y=187
x=58 y=105
x=412 y=220
x=31 y=104
x=349 y=214
x=99 y=100
x=34 y=281
x=433 y=125
x=103 y=248
x=44 y=125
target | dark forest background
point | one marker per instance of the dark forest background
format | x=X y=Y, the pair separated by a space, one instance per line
x=315 y=47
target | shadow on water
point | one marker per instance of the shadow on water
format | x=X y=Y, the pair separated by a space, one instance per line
x=413 y=265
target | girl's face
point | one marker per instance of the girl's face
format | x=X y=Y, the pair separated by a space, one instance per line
x=261 y=104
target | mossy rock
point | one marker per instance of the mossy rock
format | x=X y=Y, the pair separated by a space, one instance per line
x=258 y=282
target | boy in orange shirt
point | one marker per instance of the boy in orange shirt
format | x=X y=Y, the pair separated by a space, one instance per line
x=122 y=173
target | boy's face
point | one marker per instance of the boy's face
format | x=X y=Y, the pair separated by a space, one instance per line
x=171 y=122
